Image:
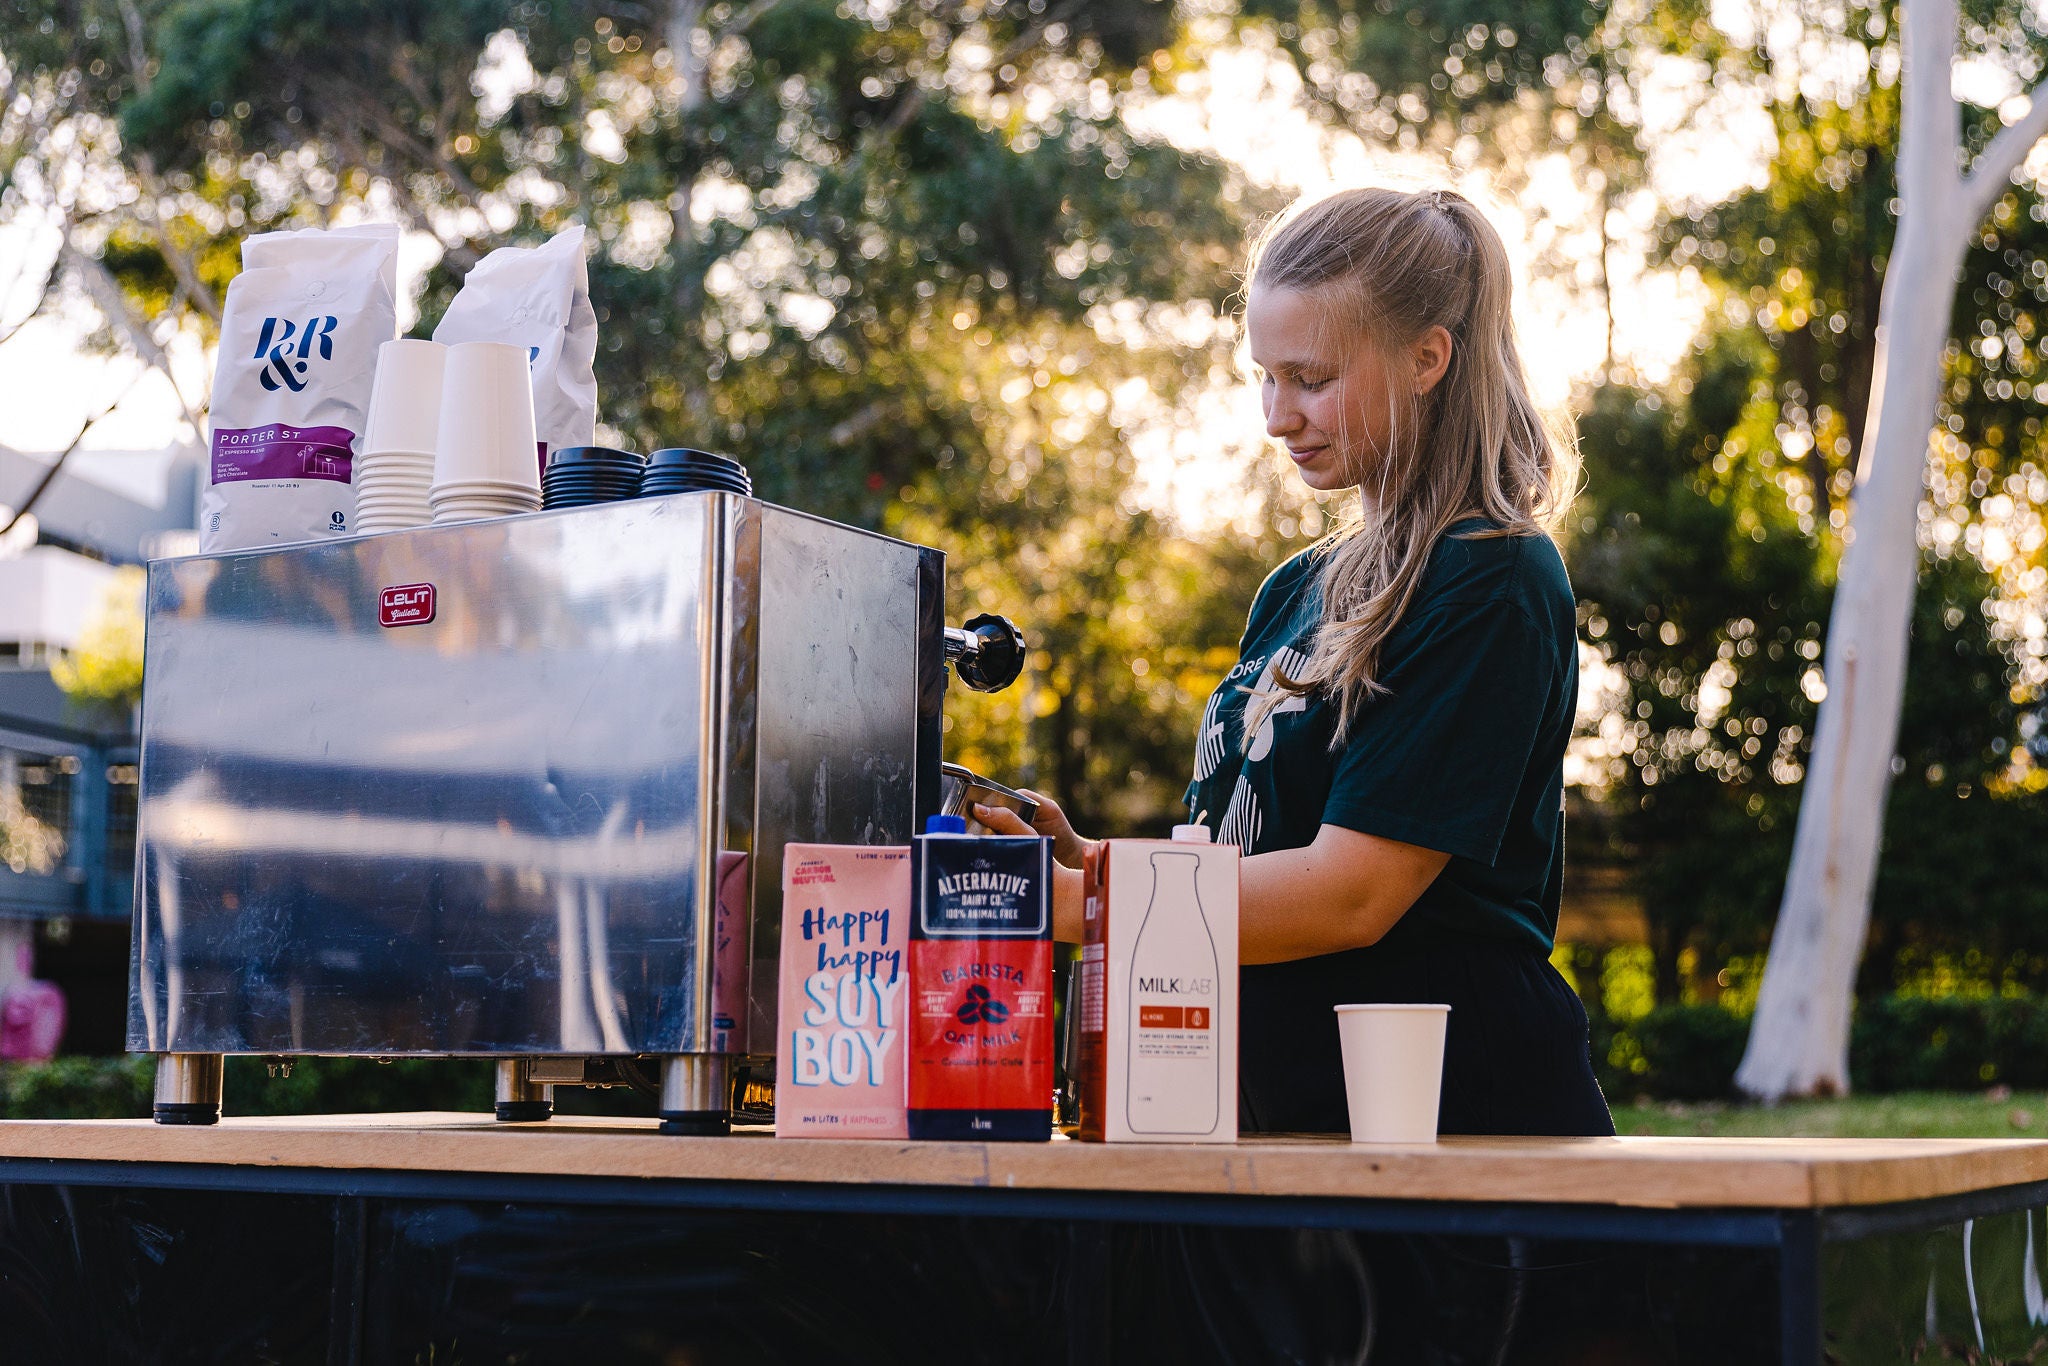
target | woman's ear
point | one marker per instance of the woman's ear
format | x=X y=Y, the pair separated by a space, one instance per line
x=1432 y=356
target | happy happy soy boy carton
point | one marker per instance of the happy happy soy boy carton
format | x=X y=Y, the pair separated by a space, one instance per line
x=839 y=1063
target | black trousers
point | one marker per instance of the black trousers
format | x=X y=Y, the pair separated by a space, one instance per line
x=1515 y=1048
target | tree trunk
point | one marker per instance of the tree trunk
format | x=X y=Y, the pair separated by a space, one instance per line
x=1799 y=1040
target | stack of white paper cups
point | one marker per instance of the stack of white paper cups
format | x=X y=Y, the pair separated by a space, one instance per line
x=395 y=468
x=485 y=457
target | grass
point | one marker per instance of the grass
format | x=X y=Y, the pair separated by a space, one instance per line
x=1997 y=1113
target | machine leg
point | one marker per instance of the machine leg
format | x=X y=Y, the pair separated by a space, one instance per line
x=520 y=1097
x=188 y=1088
x=696 y=1094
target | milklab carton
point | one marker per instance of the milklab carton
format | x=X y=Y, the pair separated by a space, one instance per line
x=839 y=1060
x=1159 y=991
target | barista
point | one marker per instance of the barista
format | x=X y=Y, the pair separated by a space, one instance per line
x=1388 y=751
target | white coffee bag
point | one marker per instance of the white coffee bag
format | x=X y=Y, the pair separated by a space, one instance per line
x=538 y=298
x=298 y=349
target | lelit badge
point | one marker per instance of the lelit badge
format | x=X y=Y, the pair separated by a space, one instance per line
x=409 y=604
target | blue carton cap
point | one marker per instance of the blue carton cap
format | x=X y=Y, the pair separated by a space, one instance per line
x=945 y=825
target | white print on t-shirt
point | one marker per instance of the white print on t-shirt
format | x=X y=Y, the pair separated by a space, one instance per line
x=1209 y=740
x=1293 y=663
x=1211 y=743
x=1243 y=821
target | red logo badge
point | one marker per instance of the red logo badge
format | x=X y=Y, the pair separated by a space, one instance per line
x=409 y=604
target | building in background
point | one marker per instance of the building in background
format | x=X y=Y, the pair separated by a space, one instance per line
x=68 y=776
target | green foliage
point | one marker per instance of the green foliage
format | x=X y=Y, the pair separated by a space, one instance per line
x=1949 y=1043
x=103 y=675
x=1704 y=582
x=1433 y=60
x=1977 y=1033
x=1690 y=1052
x=1708 y=603
x=77 y=1088
x=1897 y=1042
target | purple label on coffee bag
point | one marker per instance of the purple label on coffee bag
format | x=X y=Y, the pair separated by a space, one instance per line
x=279 y=451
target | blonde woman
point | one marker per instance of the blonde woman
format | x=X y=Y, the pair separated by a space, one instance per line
x=1389 y=749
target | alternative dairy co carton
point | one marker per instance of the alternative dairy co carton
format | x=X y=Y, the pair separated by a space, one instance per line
x=981 y=986
x=839 y=1063
x=1159 y=991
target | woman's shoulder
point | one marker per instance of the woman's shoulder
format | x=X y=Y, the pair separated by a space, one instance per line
x=1285 y=588
x=1476 y=562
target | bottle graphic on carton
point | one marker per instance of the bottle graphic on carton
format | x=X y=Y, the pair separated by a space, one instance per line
x=1173 y=1057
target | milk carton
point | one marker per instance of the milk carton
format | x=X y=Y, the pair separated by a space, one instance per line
x=1159 y=991
x=981 y=985
x=840 y=1057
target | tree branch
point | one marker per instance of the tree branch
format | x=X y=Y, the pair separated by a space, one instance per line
x=112 y=301
x=42 y=302
x=183 y=268
x=342 y=104
x=745 y=19
x=351 y=151
x=35 y=495
x=1991 y=176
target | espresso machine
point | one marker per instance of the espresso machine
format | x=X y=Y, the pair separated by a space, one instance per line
x=519 y=789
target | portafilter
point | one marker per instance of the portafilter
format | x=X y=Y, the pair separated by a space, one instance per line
x=961 y=789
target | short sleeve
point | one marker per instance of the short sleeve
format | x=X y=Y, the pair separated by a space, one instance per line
x=1439 y=759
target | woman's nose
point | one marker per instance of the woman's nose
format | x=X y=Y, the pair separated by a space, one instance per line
x=1282 y=417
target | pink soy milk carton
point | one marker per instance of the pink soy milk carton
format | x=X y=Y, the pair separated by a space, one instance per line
x=839 y=1059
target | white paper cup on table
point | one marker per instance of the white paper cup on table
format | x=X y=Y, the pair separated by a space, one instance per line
x=486 y=434
x=1393 y=1070
x=405 y=398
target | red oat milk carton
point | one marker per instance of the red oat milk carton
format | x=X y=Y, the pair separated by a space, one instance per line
x=981 y=1044
x=845 y=991
x=1159 y=991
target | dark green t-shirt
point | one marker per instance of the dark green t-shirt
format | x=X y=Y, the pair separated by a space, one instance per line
x=1464 y=754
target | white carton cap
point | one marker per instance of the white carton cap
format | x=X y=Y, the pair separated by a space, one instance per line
x=1191 y=834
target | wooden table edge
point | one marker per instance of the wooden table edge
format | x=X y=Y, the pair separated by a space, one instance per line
x=1628 y=1173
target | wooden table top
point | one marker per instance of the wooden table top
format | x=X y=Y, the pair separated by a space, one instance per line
x=1670 y=1173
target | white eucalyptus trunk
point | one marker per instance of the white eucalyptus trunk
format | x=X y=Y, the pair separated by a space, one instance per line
x=1799 y=1040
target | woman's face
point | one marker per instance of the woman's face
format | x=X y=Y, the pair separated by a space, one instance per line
x=1329 y=394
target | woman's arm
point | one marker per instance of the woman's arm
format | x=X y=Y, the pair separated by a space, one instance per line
x=1343 y=891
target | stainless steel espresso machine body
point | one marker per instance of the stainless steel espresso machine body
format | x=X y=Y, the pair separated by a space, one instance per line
x=518 y=789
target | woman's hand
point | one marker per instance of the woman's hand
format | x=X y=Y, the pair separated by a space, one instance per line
x=1067 y=848
x=1050 y=822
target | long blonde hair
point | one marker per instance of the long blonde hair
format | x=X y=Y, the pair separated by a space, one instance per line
x=1389 y=266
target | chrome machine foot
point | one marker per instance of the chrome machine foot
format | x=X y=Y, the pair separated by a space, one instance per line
x=188 y=1088
x=520 y=1097
x=696 y=1094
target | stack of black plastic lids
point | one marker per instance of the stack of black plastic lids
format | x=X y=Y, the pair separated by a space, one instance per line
x=681 y=470
x=577 y=476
